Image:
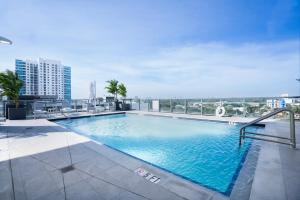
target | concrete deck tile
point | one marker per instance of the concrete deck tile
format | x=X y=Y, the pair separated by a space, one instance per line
x=74 y=176
x=6 y=191
x=153 y=191
x=268 y=185
x=81 y=153
x=105 y=190
x=55 y=195
x=42 y=185
x=218 y=196
x=115 y=156
x=58 y=158
x=82 y=190
x=28 y=166
x=186 y=191
x=34 y=179
x=122 y=177
x=95 y=166
x=290 y=158
x=292 y=183
x=124 y=195
x=268 y=168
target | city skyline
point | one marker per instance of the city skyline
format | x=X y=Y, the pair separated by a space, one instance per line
x=162 y=49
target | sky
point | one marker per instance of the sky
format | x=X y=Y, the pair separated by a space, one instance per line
x=161 y=48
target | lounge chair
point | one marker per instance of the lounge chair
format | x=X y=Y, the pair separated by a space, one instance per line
x=67 y=110
x=39 y=113
x=99 y=109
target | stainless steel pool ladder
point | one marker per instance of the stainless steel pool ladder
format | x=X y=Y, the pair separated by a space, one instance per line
x=288 y=141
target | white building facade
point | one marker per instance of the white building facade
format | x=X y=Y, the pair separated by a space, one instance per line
x=43 y=77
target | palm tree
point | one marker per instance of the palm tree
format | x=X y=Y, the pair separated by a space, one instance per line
x=122 y=91
x=11 y=85
x=112 y=87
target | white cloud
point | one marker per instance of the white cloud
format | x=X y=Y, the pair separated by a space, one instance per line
x=200 y=70
x=215 y=70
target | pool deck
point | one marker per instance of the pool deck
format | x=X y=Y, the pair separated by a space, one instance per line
x=42 y=160
x=199 y=117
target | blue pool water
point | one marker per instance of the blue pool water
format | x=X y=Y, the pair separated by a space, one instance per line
x=204 y=152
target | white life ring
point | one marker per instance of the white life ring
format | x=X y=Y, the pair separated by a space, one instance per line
x=220 y=111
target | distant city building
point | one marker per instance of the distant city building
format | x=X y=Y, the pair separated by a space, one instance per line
x=67 y=82
x=44 y=77
x=280 y=103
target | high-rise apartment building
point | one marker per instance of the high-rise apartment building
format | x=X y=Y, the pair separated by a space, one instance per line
x=67 y=82
x=44 y=77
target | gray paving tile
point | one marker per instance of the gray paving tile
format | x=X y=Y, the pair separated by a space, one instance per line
x=58 y=158
x=81 y=153
x=131 y=181
x=29 y=167
x=6 y=191
x=74 y=176
x=104 y=189
x=292 y=184
x=95 y=166
x=128 y=196
x=186 y=191
x=290 y=158
x=55 y=195
x=123 y=177
x=43 y=185
x=218 y=196
x=82 y=190
x=32 y=179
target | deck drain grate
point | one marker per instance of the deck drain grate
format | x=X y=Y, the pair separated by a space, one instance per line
x=67 y=169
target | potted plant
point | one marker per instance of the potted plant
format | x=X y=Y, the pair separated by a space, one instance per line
x=11 y=85
x=112 y=88
x=122 y=91
x=115 y=88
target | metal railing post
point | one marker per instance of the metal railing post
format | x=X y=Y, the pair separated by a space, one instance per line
x=292 y=129
x=171 y=109
x=139 y=101
x=185 y=106
x=201 y=107
x=76 y=105
x=244 y=108
x=159 y=109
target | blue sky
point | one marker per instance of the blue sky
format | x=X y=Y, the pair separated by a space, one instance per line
x=162 y=48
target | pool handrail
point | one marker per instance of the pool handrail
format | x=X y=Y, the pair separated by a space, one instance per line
x=292 y=139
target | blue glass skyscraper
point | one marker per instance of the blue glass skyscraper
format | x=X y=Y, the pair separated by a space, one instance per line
x=67 y=82
x=21 y=71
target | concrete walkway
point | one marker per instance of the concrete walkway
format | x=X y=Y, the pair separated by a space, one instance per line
x=41 y=160
x=277 y=174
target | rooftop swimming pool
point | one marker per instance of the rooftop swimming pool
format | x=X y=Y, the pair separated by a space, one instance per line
x=203 y=152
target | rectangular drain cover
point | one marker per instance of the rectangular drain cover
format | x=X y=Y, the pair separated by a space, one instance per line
x=67 y=169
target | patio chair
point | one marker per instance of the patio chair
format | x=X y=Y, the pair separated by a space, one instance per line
x=39 y=113
x=99 y=109
x=67 y=110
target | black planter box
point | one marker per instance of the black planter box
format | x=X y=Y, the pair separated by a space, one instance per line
x=16 y=113
x=7 y=106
